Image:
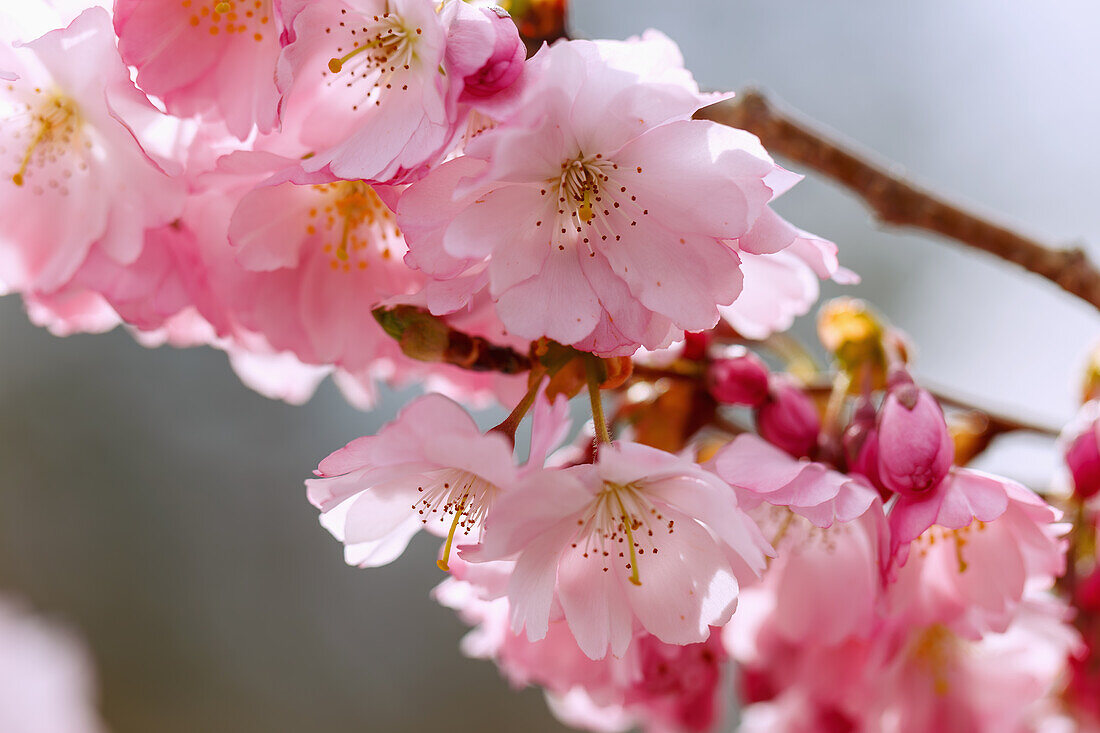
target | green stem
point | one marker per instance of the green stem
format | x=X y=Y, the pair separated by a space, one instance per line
x=592 y=371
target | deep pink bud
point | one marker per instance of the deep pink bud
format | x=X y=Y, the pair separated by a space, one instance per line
x=696 y=345
x=483 y=45
x=741 y=379
x=861 y=442
x=1083 y=459
x=915 y=449
x=788 y=418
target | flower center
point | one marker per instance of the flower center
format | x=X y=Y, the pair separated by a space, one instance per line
x=934 y=649
x=238 y=17
x=959 y=537
x=375 y=49
x=354 y=225
x=47 y=130
x=592 y=206
x=463 y=496
x=621 y=521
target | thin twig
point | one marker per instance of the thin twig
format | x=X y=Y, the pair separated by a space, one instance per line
x=896 y=201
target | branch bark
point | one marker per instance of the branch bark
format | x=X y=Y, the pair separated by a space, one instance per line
x=897 y=202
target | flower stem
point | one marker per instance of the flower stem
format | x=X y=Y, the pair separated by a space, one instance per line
x=592 y=372
x=511 y=423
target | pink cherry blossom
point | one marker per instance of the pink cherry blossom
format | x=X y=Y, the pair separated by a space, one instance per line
x=431 y=468
x=968 y=563
x=364 y=86
x=74 y=174
x=205 y=56
x=641 y=538
x=604 y=210
x=46 y=678
x=763 y=473
x=658 y=686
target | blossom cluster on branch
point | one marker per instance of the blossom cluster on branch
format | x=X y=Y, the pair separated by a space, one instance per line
x=393 y=191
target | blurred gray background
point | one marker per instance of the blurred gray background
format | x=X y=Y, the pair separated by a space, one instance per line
x=154 y=503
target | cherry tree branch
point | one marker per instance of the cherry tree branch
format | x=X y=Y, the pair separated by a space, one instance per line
x=897 y=202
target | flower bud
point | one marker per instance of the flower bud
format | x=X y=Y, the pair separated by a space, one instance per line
x=739 y=380
x=788 y=418
x=861 y=442
x=854 y=335
x=483 y=45
x=1083 y=459
x=915 y=449
x=696 y=345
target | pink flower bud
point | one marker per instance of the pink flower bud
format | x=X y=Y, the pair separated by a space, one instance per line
x=696 y=345
x=861 y=442
x=483 y=45
x=788 y=418
x=1083 y=459
x=915 y=450
x=739 y=380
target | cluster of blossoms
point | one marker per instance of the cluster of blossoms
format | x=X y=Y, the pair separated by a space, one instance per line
x=392 y=190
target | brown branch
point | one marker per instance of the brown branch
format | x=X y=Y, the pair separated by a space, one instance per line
x=898 y=202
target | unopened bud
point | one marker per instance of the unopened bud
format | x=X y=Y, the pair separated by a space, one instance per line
x=483 y=45
x=854 y=334
x=861 y=442
x=741 y=379
x=696 y=345
x=915 y=449
x=1083 y=459
x=788 y=418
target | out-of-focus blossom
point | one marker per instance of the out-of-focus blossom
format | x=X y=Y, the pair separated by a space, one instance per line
x=657 y=686
x=47 y=683
x=641 y=538
x=205 y=57
x=969 y=563
x=1080 y=444
x=73 y=171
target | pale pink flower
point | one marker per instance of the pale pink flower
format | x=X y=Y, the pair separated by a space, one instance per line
x=205 y=57
x=47 y=682
x=764 y=473
x=73 y=173
x=604 y=212
x=967 y=556
x=658 y=686
x=640 y=539
x=431 y=468
x=364 y=86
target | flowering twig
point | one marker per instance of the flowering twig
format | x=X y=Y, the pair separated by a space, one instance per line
x=896 y=201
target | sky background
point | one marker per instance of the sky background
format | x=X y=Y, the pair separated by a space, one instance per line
x=155 y=504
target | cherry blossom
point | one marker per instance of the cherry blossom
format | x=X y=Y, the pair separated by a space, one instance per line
x=586 y=241
x=205 y=56
x=74 y=174
x=365 y=90
x=46 y=678
x=640 y=538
